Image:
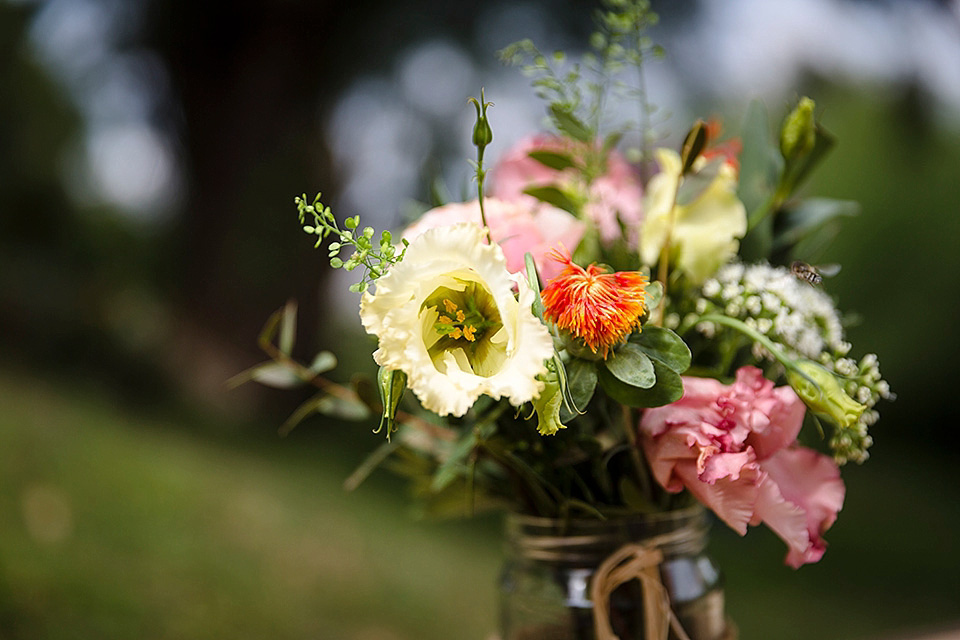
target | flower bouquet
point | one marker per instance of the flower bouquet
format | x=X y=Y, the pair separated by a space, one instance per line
x=608 y=341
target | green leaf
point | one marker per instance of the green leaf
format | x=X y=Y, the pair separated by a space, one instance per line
x=456 y=465
x=569 y=124
x=668 y=388
x=553 y=159
x=344 y=408
x=271 y=374
x=554 y=196
x=612 y=140
x=807 y=216
x=760 y=160
x=288 y=328
x=581 y=381
x=663 y=346
x=370 y=463
x=652 y=295
x=323 y=362
x=631 y=365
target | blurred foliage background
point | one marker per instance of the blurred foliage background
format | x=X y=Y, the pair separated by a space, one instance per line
x=149 y=154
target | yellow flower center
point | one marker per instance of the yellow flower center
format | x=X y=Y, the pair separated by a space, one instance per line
x=466 y=324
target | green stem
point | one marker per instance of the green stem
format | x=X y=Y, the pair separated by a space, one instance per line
x=664 y=266
x=771 y=204
x=754 y=335
x=643 y=479
x=481 y=174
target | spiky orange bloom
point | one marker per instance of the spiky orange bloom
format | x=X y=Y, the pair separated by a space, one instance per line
x=592 y=304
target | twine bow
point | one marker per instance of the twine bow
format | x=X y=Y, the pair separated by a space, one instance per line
x=634 y=562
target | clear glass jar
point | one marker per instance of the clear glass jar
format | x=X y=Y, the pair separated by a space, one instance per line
x=545 y=583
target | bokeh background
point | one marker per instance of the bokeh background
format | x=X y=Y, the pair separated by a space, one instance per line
x=149 y=154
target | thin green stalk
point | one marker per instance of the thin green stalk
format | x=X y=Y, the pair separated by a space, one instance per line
x=753 y=334
x=664 y=265
x=643 y=479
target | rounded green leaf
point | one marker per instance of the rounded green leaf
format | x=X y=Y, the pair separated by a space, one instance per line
x=553 y=159
x=581 y=381
x=323 y=362
x=669 y=388
x=663 y=345
x=631 y=365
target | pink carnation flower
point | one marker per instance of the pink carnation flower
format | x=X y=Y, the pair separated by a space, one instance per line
x=613 y=198
x=517 y=227
x=734 y=447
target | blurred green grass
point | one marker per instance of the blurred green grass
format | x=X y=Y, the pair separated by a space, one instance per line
x=117 y=524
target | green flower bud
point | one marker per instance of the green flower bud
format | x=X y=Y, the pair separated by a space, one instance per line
x=482 y=133
x=799 y=130
x=822 y=393
x=693 y=145
x=392 y=383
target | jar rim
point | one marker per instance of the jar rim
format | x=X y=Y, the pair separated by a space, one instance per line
x=691 y=512
x=678 y=531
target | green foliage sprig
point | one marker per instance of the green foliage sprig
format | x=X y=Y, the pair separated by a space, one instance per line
x=576 y=92
x=375 y=259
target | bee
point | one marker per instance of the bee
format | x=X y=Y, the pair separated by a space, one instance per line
x=813 y=275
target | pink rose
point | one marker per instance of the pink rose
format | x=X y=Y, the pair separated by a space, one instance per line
x=734 y=447
x=517 y=227
x=613 y=198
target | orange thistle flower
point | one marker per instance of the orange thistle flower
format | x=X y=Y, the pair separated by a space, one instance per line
x=592 y=304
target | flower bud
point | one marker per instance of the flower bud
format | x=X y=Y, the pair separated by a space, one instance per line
x=482 y=133
x=820 y=391
x=693 y=145
x=392 y=383
x=799 y=130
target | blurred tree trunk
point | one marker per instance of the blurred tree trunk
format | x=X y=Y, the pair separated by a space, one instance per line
x=247 y=77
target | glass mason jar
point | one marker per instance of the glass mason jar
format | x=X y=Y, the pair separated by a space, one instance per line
x=545 y=583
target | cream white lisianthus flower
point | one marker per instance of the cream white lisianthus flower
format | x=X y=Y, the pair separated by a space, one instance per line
x=705 y=231
x=446 y=315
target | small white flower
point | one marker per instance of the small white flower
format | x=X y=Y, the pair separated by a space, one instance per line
x=446 y=315
x=711 y=287
x=731 y=290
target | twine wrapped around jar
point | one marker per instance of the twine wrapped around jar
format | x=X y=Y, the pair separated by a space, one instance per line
x=631 y=578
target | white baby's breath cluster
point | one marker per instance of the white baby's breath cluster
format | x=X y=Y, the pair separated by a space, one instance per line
x=776 y=303
x=803 y=319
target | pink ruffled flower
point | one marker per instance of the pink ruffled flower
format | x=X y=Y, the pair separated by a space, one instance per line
x=517 y=227
x=734 y=447
x=614 y=197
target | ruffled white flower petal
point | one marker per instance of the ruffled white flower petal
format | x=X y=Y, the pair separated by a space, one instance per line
x=443 y=375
